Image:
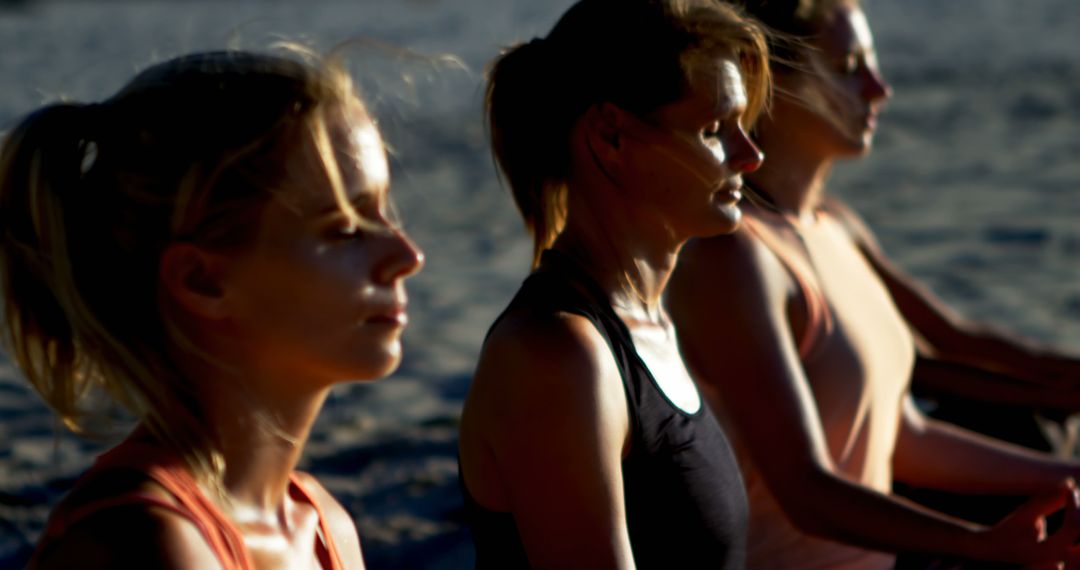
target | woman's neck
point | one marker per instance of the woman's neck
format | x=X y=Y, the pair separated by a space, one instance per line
x=793 y=180
x=630 y=262
x=262 y=447
x=261 y=437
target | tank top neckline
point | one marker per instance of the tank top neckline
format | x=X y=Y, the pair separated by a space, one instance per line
x=555 y=258
x=819 y=318
x=189 y=501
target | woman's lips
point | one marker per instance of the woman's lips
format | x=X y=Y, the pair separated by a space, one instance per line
x=871 y=121
x=395 y=316
x=730 y=194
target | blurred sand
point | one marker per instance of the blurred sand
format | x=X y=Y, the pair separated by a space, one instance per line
x=971 y=188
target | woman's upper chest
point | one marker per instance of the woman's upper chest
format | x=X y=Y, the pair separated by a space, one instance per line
x=299 y=545
x=867 y=354
x=658 y=349
x=861 y=308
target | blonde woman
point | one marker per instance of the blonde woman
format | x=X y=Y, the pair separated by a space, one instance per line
x=802 y=338
x=209 y=248
x=584 y=442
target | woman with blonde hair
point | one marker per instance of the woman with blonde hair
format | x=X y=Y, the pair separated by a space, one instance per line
x=801 y=337
x=584 y=443
x=209 y=248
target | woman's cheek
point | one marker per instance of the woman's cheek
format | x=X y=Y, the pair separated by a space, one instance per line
x=717 y=152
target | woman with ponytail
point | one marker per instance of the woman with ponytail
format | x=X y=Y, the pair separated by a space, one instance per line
x=208 y=248
x=584 y=442
x=801 y=334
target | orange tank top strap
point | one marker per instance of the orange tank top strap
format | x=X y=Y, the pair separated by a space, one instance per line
x=168 y=471
x=328 y=552
x=819 y=321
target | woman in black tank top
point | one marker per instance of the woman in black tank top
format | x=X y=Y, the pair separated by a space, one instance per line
x=584 y=442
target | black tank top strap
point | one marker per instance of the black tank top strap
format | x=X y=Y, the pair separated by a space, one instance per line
x=684 y=497
x=578 y=293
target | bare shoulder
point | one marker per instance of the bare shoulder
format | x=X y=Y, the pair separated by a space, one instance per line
x=729 y=298
x=130 y=535
x=543 y=434
x=735 y=267
x=533 y=335
x=531 y=354
x=738 y=245
x=556 y=367
x=338 y=519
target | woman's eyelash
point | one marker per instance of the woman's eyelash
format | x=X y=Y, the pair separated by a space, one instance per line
x=343 y=233
x=849 y=65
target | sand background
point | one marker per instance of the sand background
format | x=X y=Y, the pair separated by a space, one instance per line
x=972 y=188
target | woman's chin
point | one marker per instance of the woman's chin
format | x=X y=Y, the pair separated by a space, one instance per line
x=725 y=221
x=377 y=364
x=862 y=144
x=390 y=362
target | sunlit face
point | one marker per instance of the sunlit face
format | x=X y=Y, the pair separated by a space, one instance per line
x=321 y=291
x=840 y=104
x=689 y=156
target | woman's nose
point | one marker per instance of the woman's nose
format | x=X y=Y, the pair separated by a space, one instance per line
x=401 y=259
x=745 y=155
x=875 y=88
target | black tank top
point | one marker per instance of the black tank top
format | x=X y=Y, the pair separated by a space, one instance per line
x=685 y=502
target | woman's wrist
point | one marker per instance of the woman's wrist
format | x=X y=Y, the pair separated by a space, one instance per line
x=977 y=542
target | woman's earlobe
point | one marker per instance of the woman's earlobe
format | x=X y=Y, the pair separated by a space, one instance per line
x=192 y=278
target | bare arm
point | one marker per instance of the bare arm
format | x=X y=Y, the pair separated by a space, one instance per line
x=729 y=299
x=937 y=455
x=968 y=381
x=951 y=337
x=549 y=401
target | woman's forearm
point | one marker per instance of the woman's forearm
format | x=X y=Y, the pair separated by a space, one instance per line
x=832 y=507
x=937 y=455
x=1003 y=351
x=978 y=383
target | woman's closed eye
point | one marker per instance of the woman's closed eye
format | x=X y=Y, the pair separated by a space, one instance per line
x=344 y=231
x=849 y=64
x=713 y=130
x=359 y=229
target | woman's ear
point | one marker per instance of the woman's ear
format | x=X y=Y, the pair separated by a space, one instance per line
x=611 y=119
x=193 y=278
x=604 y=122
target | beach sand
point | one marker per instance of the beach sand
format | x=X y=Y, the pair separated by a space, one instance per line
x=971 y=188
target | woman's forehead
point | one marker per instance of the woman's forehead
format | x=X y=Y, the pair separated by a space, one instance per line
x=716 y=87
x=343 y=160
x=846 y=31
x=361 y=155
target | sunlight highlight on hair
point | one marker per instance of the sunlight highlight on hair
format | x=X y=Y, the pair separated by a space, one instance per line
x=332 y=170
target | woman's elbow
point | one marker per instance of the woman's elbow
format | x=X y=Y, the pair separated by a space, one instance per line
x=810 y=499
